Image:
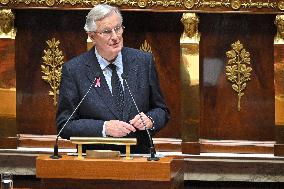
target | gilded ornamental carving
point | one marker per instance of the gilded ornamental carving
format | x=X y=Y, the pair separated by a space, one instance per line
x=237 y=69
x=146 y=47
x=274 y=5
x=190 y=34
x=279 y=22
x=7 y=29
x=236 y=4
x=51 y=67
x=281 y=5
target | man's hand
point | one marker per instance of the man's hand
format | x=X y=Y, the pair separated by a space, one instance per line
x=138 y=123
x=116 y=128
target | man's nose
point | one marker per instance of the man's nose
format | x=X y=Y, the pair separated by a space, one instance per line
x=113 y=34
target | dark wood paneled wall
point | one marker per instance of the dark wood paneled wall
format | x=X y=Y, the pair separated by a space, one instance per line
x=219 y=116
x=35 y=109
x=162 y=32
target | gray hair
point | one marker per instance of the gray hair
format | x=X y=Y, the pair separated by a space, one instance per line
x=97 y=13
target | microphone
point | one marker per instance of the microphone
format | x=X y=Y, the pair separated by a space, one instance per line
x=152 y=147
x=55 y=150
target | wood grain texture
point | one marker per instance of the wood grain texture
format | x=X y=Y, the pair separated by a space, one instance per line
x=35 y=109
x=219 y=116
x=7 y=64
x=164 y=41
x=279 y=149
x=114 y=169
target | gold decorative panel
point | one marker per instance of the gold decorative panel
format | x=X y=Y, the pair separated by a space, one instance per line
x=166 y=4
x=237 y=70
x=51 y=67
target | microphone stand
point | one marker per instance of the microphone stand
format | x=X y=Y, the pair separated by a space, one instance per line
x=55 y=149
x=152 y=147
x=153 y=156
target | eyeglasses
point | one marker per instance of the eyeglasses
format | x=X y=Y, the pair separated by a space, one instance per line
x=108 y=32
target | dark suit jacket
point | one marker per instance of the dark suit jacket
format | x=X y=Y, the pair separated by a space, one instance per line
x=99 y=105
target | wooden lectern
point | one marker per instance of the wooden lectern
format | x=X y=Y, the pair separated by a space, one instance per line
x=71 y=172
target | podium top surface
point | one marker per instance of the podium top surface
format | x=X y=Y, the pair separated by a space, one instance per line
x=103 y=140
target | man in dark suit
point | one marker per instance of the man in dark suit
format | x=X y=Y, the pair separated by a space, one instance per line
x=107 y=110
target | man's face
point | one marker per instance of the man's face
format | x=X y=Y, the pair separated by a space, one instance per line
x=108 y=36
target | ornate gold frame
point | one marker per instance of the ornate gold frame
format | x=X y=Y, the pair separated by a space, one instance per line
x=167 y=4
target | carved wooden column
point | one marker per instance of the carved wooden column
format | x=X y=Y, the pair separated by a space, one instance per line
x=189 y=72
x=279 y=85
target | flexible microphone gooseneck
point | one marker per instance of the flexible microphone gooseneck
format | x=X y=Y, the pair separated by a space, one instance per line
x=55 y=150
x=152 y=147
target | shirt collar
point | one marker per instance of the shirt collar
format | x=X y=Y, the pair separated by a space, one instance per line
x=104 y=63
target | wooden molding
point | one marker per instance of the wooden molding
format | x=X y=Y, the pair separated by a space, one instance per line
x=8 y=142
x=279 y=149
x=190 y=148
x=237 y=146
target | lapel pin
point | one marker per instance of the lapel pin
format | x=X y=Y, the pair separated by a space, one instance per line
x=98 y=82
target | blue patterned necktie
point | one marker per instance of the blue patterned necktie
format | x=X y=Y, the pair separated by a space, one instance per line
x=117 y=90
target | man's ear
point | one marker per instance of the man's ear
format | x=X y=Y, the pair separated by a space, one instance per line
x=91 y=36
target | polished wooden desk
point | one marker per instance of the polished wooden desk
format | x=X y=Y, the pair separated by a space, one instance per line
x=71 y=172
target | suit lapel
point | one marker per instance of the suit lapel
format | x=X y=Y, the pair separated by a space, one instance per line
x=130 y=68
x=93 y=69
